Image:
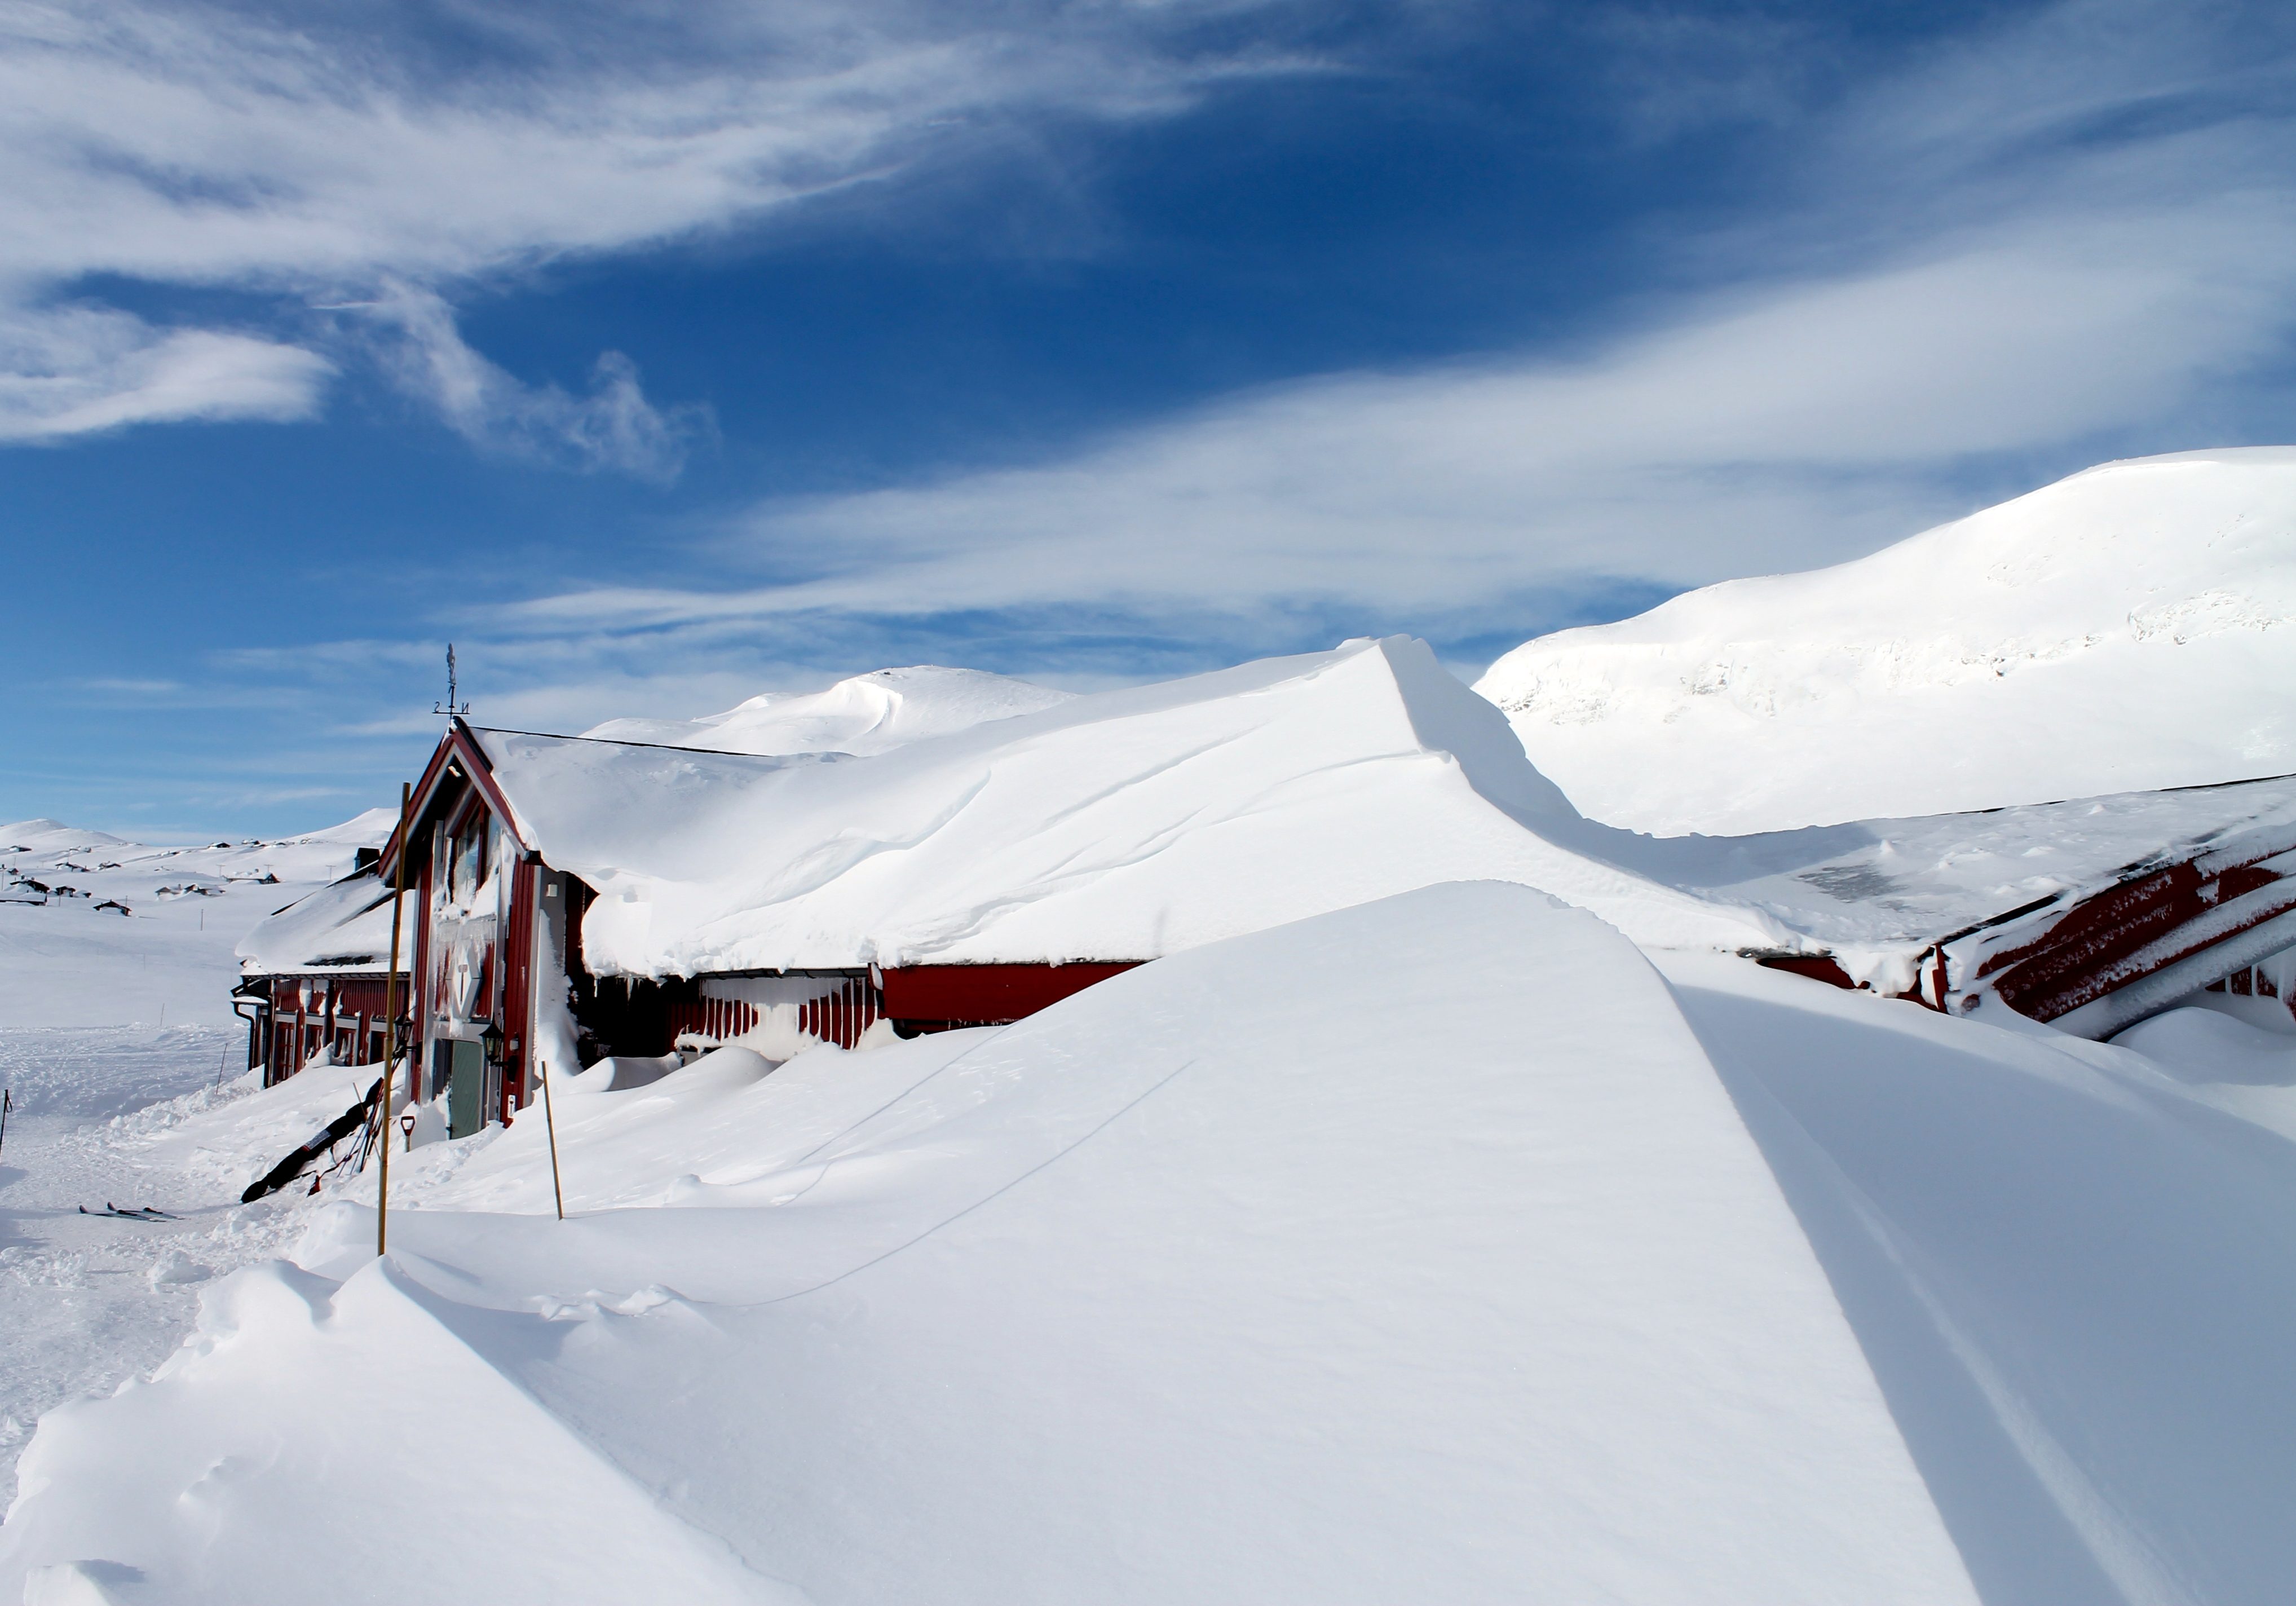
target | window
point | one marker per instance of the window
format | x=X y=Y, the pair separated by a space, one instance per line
x=469 y=859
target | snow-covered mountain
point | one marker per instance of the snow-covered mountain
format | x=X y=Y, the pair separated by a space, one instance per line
x=2128 y=628
x=867 y=713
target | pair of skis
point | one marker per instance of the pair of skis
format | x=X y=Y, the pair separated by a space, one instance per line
x=320 y=1142
x=140 y=1213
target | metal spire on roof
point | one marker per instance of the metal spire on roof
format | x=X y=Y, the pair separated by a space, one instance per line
x=451 y=708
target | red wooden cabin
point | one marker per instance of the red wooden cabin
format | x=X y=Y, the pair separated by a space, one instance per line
x=497 y=932
x=2217 y=915
x=291 y=1017
x=315 y=978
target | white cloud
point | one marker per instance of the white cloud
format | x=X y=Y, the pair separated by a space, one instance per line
x=200 y=146
x=70 y=370
x=1974 y=279
x=1779 y=431
x=613 y=427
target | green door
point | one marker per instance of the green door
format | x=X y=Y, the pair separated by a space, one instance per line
x=467 y=1090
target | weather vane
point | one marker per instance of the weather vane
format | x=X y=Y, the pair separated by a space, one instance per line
x=450 y=707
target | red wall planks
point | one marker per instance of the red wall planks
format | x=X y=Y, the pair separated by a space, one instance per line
x=982 y=994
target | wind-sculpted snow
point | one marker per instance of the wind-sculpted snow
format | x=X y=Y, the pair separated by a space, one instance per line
x=2071 y=1264
x=1291 y=1268
x=1124 y=826
x=868 y=714
x=2128 y=628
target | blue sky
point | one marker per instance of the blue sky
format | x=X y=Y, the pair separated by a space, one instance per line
x=662 y=354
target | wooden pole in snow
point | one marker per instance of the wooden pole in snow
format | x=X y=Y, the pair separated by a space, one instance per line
x=550 y=1125
x=391 y=1032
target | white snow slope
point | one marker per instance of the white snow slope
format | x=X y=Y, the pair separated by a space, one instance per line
x=867 y=713
x=1233 y=1279
x=2072 y=1267
x=114 y=1026
x=163 y=955
x=2125 y=629
x=1123 y=825
x=1294 y=1267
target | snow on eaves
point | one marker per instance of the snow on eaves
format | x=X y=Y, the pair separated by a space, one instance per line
x=1127 y=824
x=344 y=927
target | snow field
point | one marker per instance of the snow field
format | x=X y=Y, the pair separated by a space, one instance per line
x=1410 y=1252
x=85 y=1301
x=66 y=964
x=1435 y=1247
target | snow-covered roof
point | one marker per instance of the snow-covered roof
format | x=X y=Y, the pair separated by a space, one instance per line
x=2124 y=629
x=1121 y=825
x=1876 y=893
x=344 y=928
x=867 y=713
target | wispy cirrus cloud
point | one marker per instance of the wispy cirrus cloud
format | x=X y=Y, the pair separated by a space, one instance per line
x=75 y=369
x=613 y=427
x=2073 y=236
x=1968 y=265
x=314 y=156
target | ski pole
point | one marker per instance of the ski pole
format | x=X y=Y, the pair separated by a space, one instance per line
x=549 y=1124
x=6 y=1098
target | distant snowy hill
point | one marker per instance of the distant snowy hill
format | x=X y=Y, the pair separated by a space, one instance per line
x=866 y=714
x=2125 y=629
x=96 y=931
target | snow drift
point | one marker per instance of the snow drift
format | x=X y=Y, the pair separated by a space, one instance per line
x=1205 y=1285
x=1124 y=826
x=1410 y=1250
x=2072 y=1267
x=2121 y=630
x=867 y=713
